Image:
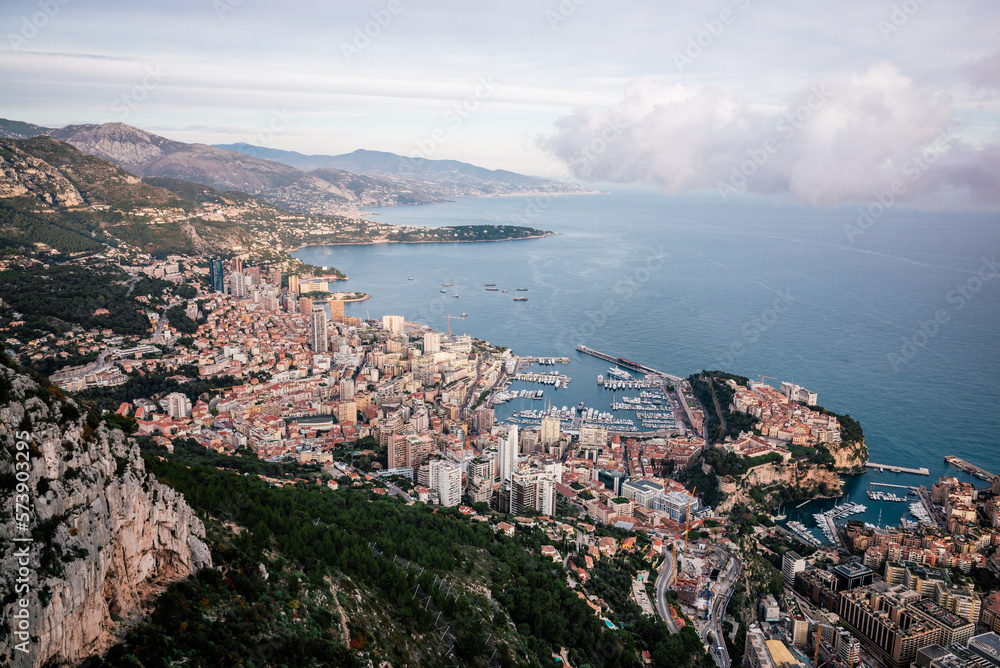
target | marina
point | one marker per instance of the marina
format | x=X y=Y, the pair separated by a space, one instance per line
x=553 y=378
x=802 y=532
x=826 y=520
x=878 y=495
x=544 y=361
x=918 y=510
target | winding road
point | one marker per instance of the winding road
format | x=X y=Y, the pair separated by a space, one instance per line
x=663 y=577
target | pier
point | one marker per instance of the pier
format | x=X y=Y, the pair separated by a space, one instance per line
x=972 y=469
x=888 y=484
x=897 y=469
x=628 y=364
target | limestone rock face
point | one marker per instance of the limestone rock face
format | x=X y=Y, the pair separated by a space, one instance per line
x=850 y=457
x=813 y=480
x=104 y=532
x=24 y=174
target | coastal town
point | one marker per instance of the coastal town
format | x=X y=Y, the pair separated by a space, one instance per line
x=253 y=361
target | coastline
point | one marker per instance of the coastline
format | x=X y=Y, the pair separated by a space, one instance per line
x=434 y=241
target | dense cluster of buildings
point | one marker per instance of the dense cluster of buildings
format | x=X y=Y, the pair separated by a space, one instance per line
x=782 y=415
x=892 y=615
x=904 y=599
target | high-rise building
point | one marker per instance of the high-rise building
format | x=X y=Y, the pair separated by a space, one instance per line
x=346 y=389
x=237 y=284
x=236 y=264
x=320 y=338
x=336 y=310
x=393 y=323
x=483 y=467
x=507 y=463
x=483 y=419
x=347 y=412
x=178 y=405
x=293 y=285
x=215 y=275
x=446 y=478
x=532 y=488
x=274 y=277
x=550 y=430
x=482 y=474
x=791 y=563
x=432 y=342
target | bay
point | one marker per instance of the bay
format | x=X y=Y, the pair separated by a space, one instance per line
x=894 y=321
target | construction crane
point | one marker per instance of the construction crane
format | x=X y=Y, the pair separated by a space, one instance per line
x=763 y=377
x=687 y=523
x=449 y=318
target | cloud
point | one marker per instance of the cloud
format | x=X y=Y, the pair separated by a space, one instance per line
x=838 y=141
x=985 y=72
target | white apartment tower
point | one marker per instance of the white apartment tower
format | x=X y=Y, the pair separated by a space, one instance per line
x=550 y=430
x=432 y=342
x=507 y=463
x=320 y=338
x=446 y=478
x=178 y=405
x=393 y=323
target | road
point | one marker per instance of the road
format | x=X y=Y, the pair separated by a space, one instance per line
x=663 y=577
x=160 y=323
x=719 y=603
x=470 y=397
x=722 y=592
x=396 y=491
x=101 y=364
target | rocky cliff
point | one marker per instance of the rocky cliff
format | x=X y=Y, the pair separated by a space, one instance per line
x=807 y=481
x=850 y=457
x=87 y=535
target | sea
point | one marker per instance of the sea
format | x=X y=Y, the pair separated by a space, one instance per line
x=889 y=315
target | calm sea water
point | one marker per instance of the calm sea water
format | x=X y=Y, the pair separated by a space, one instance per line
x=897 y=325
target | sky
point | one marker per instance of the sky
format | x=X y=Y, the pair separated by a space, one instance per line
x=823 y=103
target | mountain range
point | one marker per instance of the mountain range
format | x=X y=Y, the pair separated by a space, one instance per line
x=440 y=178
x=306 y=184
